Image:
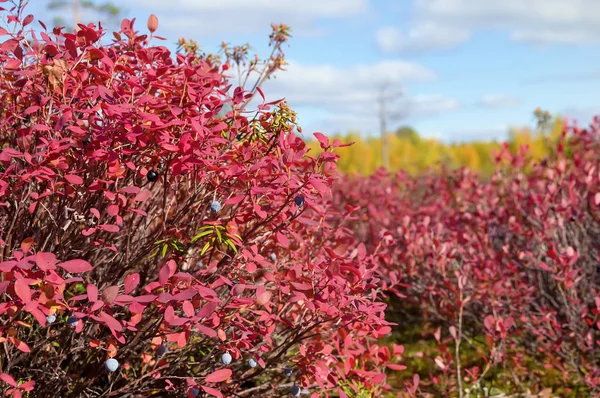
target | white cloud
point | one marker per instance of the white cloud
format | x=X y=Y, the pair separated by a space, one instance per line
x=338 y=87
x=499 y=101
x=210 y=17
x=424 y=37
x=347 y=98
x=428 y=105
x=440 y=24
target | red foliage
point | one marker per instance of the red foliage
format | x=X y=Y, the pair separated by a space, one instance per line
x=110 y=158
x=507 y=269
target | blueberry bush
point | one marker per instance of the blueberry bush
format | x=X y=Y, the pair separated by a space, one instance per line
x=160 y=237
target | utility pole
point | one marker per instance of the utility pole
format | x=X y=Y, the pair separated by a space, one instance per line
x=76 y=17
x=385 y=157
x=383 y=117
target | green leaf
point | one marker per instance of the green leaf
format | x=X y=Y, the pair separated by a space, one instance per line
x=231 y=244
x=164 y=250
x=200 y=235
x=205 y=248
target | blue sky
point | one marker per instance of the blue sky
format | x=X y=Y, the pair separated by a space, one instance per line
x=468 y=69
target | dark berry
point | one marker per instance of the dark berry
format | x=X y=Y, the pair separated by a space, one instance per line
x=152 y=176
x=161 y=350
x=295 y=390
x=299 y=200
x=72 y=321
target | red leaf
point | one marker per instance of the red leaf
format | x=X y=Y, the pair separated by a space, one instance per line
x=398 y=349
x=27 y=386
x=22 y=290
x=282 y=240
x=76 y=266
x=131 y=282
x=130 y=189
x=188 y=308
x=110 y=294
x=108 y=227
x=319 y=186
x=395 y=366
x=96 y=306
x=27 y=20
x=112 y=210
x=489 y=322
x=45 y=261
x=166 y=272
x=88 y=231
x=212 y=391
x=301 y=286
x=219 y=376
x=170 y=147
x=234 y=200
x=251 y=267
x=111 y=322
x=7 y=266
x=92 y=293
x=206 y=330
x=263 y=298
x=19 y=344
x=184 y=295
x=142 y=196
x=74 y=179
x=172 y=319
x=544 y=266
x=323 y=140
x=8 y=379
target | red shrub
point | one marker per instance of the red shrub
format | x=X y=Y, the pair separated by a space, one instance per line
x=503 y=273
x=111 y=158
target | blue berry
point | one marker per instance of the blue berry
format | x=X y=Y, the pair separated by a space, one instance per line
x=72 y=321
x=252 y=363
x=299 y=200
x=215 y=206
x=273 y=257
x=160 y=351
x=288 y=372
x=51 y=318
x=194 y=392
x=152 y=176
x=226 y=358
x=295 y=390
x=111 y=364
